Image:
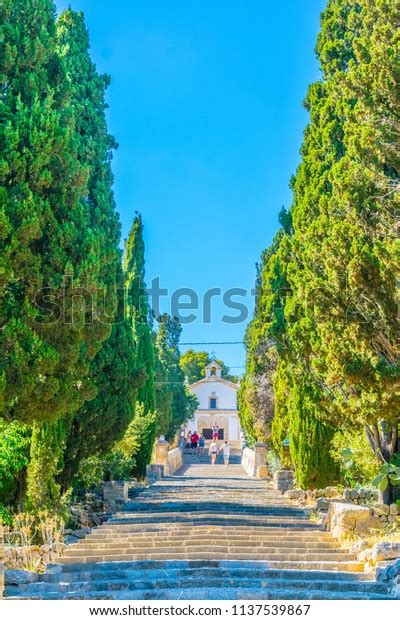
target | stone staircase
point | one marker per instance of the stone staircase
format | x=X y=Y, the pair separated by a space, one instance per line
x=206 y=533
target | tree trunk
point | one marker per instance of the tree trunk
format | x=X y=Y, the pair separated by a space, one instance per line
x=384 y=441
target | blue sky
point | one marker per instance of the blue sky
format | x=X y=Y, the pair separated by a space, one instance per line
x=206 y=105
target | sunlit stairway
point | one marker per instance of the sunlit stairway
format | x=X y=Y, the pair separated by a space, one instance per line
x=206 y=533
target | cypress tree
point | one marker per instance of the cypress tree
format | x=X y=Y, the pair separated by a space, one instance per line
x=138 y=313
x=47 y=245
x=174 y=403
x=310 y=439
x=339 y=253
x=95 y=427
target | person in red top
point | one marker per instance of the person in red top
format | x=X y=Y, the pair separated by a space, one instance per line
x=194 y=439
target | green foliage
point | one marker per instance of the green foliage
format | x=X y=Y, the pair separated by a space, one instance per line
x=138 y=313
x=138 y=440
x=49 y=244
x=175 y=404
x=14 y=459
x=5 y=516
x=47 y=448
x=389 y=473
x=310 y=439
x=327 y=290
x=193 y=364
x=351 y=450
x=101 y=421
x=114 y=465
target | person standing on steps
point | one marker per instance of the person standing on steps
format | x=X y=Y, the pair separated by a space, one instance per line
x=212 y=452
x=226 y=451
x=215 y=432
x=194 y=439
x=202 y=443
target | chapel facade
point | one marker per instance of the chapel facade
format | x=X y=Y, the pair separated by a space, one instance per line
x=217 y=399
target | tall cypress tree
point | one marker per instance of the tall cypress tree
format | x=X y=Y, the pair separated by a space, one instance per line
x=310 y=438
x=138 y=313
x=100 y=422
x=341 y=259
x=174 y=403
x=47 y=244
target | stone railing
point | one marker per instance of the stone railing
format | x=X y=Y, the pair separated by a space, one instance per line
x=253 y=461
x=172 y=460
x=175 y=460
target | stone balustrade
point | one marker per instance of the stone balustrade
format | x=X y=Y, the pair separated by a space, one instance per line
x=171 y=460
x=253 y=461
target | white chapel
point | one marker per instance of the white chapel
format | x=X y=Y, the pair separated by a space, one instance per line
x=217 y=405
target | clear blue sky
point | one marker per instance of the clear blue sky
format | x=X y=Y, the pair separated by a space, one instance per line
x=206 y=105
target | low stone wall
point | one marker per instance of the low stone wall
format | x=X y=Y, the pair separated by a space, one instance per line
x=249 y=462
x=390 y=576
x=115 y=493
x=171 y=460
x=154 y=473
x=344 y=520
x=175 y=460
x=253 y=461
x=283 y=480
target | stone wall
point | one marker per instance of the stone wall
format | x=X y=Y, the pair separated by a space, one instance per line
x=349 y=520
x=175 y=460
x=283 y=480
x=171 y=460
x=253 y=461
x=249 y=461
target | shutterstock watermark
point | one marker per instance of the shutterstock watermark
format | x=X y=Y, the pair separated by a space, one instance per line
x=72 y=303
x=187 y=305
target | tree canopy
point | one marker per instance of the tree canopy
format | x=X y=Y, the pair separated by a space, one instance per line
x=327 y=305
x=193 y=364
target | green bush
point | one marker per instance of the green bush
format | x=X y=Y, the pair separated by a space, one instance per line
x=355 y=457
x=94 y=470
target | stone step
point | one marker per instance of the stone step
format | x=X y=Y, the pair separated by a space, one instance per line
x=160 y=538
x=209 y=507
x=307 y=561
x=153 y=571
x=207 y=533
x=162 y=530
x=195 y=582
x=88 y=543
x=206 y=519
x=206 y=593
x=185 y=549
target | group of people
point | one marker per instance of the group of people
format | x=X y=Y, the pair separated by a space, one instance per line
x=198 y=442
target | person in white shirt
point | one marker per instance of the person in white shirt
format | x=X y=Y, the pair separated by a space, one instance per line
x=212 y=452
x=226 y=451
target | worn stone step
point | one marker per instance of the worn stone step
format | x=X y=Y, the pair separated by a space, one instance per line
x=200 y=542
x=226 y=594
x=206 y=533
x=275 y=552
x=110 y=554
x=196 y=582
x=288 y=562
x=208 y=508
x=191 y=567
x=185 y=528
